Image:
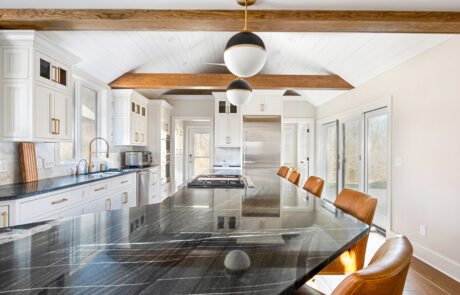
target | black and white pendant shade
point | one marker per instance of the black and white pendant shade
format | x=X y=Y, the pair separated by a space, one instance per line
x=245 y=54
x=239 y=92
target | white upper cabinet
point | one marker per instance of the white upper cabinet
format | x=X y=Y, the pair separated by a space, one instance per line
x=228 y=126
x=264 y=104
x=130 y=118
x=36 y=99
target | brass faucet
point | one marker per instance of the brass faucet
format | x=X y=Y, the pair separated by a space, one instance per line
x=78 y=166
x=90 y=166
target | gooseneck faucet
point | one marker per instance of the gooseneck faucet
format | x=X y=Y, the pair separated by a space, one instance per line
x=90 y=166
x=78 y=166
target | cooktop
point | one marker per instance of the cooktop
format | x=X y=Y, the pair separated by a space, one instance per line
x=217 y=181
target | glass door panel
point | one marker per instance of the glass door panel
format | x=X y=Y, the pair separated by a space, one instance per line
x=199 y=151
x=376 y=178
x=351 y=157
x=289 y=149
x=331 y=159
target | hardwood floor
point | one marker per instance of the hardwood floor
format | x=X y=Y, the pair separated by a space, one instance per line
x=422 y=279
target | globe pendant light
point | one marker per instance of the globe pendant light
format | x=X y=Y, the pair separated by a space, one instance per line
x=239 y=92
x=245 y=53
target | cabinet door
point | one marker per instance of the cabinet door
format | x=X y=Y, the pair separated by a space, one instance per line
x=254 y=106
x=4 y=215
x=234 y=130
x=271 y=105
x=16 y=115
x=62 y=76
x=143 y=130
x=100 y=204
x=44 y=71
x=222 y=138
x=124 y=198
x=63 y=115
x=16 y=63
x=135 y=129
x=73 y=211
x=45 y=125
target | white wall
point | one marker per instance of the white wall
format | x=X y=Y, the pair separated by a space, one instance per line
x=298 y=109
x=191 y=105
x=425 y=134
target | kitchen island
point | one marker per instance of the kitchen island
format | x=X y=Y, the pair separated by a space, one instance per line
x=180 y=245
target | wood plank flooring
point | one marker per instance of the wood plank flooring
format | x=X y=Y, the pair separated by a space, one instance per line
x=422 y=279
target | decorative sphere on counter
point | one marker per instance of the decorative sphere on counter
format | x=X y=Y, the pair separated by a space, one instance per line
x=237 y=261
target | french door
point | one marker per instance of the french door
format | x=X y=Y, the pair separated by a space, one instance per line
x=351 y=154
x=377 y=161
x=198 y=147
x=331 y=153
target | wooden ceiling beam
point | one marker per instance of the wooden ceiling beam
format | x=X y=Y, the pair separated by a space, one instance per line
x=231 y=20
x=221 y=81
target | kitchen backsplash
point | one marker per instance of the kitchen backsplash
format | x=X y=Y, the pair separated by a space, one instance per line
x=48 y=155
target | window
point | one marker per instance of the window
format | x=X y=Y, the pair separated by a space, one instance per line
x=85 y=124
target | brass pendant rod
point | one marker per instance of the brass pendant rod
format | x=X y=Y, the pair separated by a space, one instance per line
x=245 y=16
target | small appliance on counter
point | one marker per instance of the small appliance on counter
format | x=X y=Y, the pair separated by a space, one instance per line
x=217 y=181
x=136 y=159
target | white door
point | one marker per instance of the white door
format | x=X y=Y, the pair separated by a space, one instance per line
x=376 y=161
x=44 y=111
x=289 y=158
x=234 y=130
x=135 y=128
x=63 y=115
x=199 y=151
x=221 y=130
x=330 y=153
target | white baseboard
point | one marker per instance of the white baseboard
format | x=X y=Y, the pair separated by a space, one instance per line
x=445 y=265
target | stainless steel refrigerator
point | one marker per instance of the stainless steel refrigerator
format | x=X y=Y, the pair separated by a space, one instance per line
x=261 y=142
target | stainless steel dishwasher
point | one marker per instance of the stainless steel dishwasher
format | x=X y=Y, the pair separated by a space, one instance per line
x=143 y=184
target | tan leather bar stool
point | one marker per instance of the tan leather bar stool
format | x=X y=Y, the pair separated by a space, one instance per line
x=385 y=274
x=283 y=171
x=314 y=185
x=294 y=177
x=361 y=206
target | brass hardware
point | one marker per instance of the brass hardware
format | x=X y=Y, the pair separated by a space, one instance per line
x=4 y=214
x=228 y=139
x=124 y=181
x=125 y=196
x=90 y=168
x=137 y=136
x=59 y=126
x=166 y=127
x=262 y=107
x=138 y=109
x=142 y=137
x=227 y=109
x=99 y=189
x=60 y=201
x=54 y=120
x=110 y=204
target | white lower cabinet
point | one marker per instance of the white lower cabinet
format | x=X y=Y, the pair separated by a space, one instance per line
x=104 y=195
x=164 y=191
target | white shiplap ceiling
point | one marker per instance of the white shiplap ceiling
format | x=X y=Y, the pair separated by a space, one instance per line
x=356 y=57
x=412 y=5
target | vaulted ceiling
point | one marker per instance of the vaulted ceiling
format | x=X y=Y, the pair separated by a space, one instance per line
x=356 y=57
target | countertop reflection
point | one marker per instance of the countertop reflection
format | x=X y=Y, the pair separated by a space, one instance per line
x=180 y=246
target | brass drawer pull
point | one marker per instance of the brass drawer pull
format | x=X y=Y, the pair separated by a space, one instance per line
x=109 y=201
x=4 y=214
x=125 y=198
x=99 y=189
x=124 y=181
x=58 y=202
x=55 y=128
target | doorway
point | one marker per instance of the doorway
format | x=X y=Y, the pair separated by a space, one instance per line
x=198 y=150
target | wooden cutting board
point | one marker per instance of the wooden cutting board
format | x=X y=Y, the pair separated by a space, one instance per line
x=28 y=161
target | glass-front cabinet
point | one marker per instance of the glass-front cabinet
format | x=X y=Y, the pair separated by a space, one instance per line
x=225 y=107
x=51 y=71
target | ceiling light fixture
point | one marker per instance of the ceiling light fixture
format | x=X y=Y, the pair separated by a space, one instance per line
x=245 y=53
x=239 y=92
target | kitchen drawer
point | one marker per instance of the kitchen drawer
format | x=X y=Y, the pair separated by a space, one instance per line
x=73 y=211
x=5 y=216
x=103 y=203
x=121 y=181
x=97 y=189
x=49 y=204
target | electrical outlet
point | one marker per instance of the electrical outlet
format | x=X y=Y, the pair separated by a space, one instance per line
x=422 y=230
x=398 y=161
x=39 y=163
x=49 y=164
x=3 y=166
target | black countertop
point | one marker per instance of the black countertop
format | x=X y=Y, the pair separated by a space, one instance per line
x=23 y=190
x=179 y=246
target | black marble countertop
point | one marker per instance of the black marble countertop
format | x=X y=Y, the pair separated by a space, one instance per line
x=24 y=190
x=180 y=245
